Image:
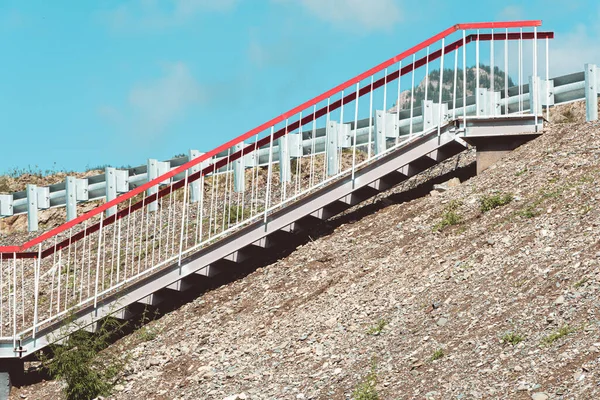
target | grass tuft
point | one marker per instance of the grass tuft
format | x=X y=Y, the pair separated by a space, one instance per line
x=367 y=389
x=512 y=338
x=487 y=203
x=450 y=216
x=377 y=328
x=439 y=353
x=559 y=334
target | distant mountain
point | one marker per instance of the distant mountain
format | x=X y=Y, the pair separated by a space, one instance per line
x=448 y=85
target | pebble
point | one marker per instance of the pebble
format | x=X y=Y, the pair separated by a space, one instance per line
x=539 y=396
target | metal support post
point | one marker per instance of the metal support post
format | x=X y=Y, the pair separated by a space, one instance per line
x=71 y=197
x=239 y=170
x=32 y=208
x=591 y=92
x=194 y=186
x=6 y=205
x=390 y=130
x=152 y=174
x=110 y=179
x=331 y=147
x=535 y=95
x=284 y=159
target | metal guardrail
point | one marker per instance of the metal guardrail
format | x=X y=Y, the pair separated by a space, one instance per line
x=560 y=90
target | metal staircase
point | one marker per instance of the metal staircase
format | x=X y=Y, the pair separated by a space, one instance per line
x=312 y=162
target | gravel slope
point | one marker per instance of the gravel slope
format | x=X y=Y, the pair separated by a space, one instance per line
x=298 y=328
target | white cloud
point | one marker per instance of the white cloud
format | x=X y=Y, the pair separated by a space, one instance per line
x=156 y=14
x=153 y=106
x=354 y=15
x=509 y=13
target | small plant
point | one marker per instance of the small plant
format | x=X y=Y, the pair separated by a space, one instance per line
x=77 y=362
x=147 y=334
x=450 y=216
x=144 y=332
x=529 y=212
x=487 y=203
x=367 y=390
x=439 y=353
x=512 y=338
x=560 y=333
x=580 y=283
x=521 y=172
x=377 y=328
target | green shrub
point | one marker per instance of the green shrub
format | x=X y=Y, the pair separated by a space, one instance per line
x=439 y=353
x=377 y=328
x=512 y=338
x=487 y=203
x=560 y=333
x=367 y=390
x=529 y=212
x=450 y=216
x=77 y=362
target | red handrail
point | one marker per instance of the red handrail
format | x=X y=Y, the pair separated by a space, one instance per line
x=294 y=111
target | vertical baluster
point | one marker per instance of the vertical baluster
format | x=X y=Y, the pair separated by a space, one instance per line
x=440 y=87
x=356 y=129
x=185 y=193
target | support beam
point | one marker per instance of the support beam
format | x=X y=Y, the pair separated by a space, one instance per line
x=32 y=208
x=492 y=149
x=11 y=372
x=591 y=92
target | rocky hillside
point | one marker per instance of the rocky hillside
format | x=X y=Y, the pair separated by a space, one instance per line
x=434 y=298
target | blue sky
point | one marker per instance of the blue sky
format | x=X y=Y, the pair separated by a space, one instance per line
x=117 y=82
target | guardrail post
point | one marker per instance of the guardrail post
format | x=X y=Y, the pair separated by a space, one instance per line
x=239 y=169
x=284 y=159
x=535 y=95
x=152 y=174
x=591 y=92
x=331 y=147
x=71 y=197
x=391 y=129
x=32 y=208
x=194 y=186
x=6 y=205
x=110 y=179
x=547 y=90
x=427 y=109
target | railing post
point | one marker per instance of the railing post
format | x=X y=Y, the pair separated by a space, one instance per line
x=591 y=92
x=239 y=181
x=110 y=179
x=6 y=205
x=331 y=147
x=427 y=113
x=284 y=159
x=535 y=98
x=71 y=197
x=152 y=174
x=390 y=130
x=32 y=208
x=194 y=186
